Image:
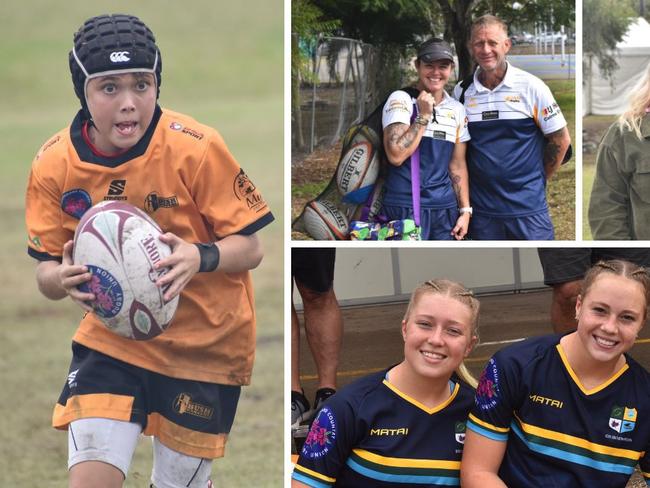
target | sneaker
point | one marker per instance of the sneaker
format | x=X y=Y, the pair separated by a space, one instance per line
x=300 y=411
x=322 y=394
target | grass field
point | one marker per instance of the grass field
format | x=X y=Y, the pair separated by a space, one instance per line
x=222 y=64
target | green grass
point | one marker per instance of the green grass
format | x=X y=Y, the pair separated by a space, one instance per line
x=222 y=64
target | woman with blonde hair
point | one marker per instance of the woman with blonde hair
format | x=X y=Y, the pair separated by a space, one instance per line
x=568 y=410
x=403 y=426
x=619 y=207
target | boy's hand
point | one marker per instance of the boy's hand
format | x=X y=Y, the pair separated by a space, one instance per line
x=71 y=276
x=184 y=262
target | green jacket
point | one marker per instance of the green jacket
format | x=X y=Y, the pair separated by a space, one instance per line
x=620 y=198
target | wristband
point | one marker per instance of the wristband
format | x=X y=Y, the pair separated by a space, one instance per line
x=209 y=256
x=464 y=210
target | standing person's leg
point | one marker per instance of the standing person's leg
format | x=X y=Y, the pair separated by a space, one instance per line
x=300 y=408
x=564 y=269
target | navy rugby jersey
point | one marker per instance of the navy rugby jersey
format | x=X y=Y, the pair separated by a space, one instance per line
x=436 y=149
x=371 y=434
x=505 y=156
x=558 y=433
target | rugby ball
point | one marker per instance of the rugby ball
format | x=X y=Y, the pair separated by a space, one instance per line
x=376 y=201
x=119 y=245
x=357 y=170
x=361 y=133
x=324 y=221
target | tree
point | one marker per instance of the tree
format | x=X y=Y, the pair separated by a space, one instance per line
x=608 y=21
x=307 y=24
x=458 y=21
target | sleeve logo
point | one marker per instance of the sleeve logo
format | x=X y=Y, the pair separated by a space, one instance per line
x=487 y=392
x=245 y=190
x=322 y=435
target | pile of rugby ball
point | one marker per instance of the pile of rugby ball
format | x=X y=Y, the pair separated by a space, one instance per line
x=119 y=245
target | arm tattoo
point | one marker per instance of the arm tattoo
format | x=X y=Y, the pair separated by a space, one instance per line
x=551 y=153
x=455 y=183
x=409 y=136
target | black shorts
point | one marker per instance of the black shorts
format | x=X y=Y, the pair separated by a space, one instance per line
x=561 y=265
x=191 y=417
x=313 y=267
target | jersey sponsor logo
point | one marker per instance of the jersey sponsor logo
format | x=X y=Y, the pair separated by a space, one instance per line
x=513 y=98
x=175 y=126
x=109 y=297
x=397 y=106
x=390 y=432
x=36 y=241
x=76 y=202
x=191 y=132
x=322 y=435
x=440 y=134
x=459 y=430
x=153 y=202
x=490 y=115
x=245 y=190
x=183 y=404
x=551 y=111
x=48 y=145
x=487 y=391
x=119 y=57
x=546 y=401
x=623 y=419
x=115 y=190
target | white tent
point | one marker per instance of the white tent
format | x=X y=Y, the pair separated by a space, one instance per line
x=604 y=98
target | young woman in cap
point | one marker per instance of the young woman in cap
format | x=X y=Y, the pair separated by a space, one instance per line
x=435 y=125
x=403 y=426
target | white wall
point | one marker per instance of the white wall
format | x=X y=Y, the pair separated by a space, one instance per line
x=377 y=275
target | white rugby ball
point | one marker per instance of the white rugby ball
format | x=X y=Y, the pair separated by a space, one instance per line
x=119 y=245
x=325 y=222
x=358 y=168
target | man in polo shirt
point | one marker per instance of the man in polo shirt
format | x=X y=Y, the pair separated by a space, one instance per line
x=519 y=138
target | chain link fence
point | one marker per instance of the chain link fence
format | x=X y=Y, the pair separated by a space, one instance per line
x=339 y=92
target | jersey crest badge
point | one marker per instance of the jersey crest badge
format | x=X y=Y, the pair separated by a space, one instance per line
x=459 y=430
x=487 y=391
x=322 y=435
x=623 y=419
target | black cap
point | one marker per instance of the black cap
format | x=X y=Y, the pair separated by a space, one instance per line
x=435 y=49
x=112 y=43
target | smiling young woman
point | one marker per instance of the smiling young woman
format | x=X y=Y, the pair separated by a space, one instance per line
x=403 y=426
x=568 y=410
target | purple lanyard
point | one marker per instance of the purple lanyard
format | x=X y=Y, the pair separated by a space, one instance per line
x=415 y=177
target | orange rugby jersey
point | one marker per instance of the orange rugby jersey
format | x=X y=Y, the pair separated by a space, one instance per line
x=182 y=174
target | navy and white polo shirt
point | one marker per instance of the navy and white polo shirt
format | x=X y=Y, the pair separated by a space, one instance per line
x=436 y=148
x=505 y=157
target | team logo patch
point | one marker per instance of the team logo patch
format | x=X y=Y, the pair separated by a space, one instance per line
x=322 y=435
x=490 y=115
x=623 y=419
x=153 y=202
x=175 y=126
x=488 y=386
x=245 y=190
x=108 y=292
x=76 y=202
x=183 y=404
x=513 y=98
x=460 y=432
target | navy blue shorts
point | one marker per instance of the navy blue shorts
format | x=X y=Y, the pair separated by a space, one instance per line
x=435 y=223
x=561 y=265
x=191 y=417
x=531 y=228
x=313 y=267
